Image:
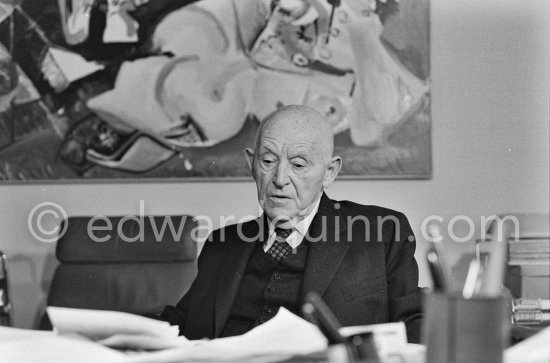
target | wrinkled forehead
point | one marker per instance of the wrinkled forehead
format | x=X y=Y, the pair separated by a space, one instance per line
x=296 y=132
x=292 y=144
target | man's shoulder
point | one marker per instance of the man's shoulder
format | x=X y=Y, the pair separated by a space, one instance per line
x=349 y=208
x=376 y=222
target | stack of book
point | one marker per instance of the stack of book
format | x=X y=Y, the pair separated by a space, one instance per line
x=528 y=272
x=529 y=251
x=529 y=256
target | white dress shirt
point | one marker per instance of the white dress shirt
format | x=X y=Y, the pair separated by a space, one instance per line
x=298 y=232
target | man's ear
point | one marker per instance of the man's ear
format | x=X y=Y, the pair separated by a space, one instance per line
x=249 y=156
x=333 y=169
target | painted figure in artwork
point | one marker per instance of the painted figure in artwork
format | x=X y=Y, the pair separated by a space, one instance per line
x=229 y=59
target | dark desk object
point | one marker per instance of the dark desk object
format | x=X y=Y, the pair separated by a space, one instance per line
x=355 y=348
x=5 y=307
x=531 y=312
x=130 y=264
x=529 y=316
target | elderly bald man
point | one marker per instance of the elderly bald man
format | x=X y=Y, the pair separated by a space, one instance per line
x=359 y=258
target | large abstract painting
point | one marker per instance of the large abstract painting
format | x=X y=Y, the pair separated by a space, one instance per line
x=141 y=89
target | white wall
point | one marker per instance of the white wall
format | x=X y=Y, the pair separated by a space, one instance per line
x=490 y=111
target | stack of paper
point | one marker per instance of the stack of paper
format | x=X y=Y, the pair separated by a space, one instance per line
x=85 y=335
x=284 y=336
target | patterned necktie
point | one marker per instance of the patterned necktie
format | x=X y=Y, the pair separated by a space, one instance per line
x=280 y=247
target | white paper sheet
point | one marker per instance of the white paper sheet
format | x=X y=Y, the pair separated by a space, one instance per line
x=390 y=338
x=21 y=345
x=282 y=337
x=535 y=349
x=99 y=324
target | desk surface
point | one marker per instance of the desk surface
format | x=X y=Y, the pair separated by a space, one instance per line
x=22 y=345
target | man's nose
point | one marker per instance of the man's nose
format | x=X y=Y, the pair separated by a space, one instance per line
x=281 y=178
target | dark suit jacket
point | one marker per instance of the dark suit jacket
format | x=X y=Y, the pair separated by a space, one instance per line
x=360 y=260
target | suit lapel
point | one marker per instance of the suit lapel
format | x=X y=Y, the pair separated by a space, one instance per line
x=325 y=255
x=234 y=265
x=326 y=250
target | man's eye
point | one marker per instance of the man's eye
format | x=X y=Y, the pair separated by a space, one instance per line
x=298 y=166
x=268 y=161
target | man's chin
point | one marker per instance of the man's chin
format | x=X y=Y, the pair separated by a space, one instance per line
x=281 y=217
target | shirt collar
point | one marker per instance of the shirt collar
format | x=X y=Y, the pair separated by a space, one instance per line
x=299 y=231
x=303 y=226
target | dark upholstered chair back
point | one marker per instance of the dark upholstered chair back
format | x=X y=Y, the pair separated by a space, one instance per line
x=130 y=264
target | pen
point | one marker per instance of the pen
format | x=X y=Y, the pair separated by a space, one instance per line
x=316 y=311
x=473 y=280
x=436 y=270
x=360 y=347
x=496 y=266
x=437 y=261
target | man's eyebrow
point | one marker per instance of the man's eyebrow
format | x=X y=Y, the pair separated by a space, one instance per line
x=264 y=148
x=301 y=152
x=300 y=155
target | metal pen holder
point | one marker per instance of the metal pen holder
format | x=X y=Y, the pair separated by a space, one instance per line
x=460 y=330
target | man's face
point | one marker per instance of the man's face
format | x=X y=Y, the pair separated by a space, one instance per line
x=289 y=168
